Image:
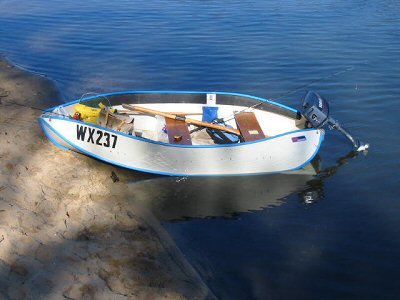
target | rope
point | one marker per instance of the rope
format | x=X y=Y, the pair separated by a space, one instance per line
x=337 y=73
x=31 y=107
x=42 y=110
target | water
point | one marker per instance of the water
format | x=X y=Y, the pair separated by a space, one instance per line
x=264 y=243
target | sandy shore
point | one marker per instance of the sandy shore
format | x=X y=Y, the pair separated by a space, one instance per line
x=67 y=230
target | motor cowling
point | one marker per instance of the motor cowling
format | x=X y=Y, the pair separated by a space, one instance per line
x=315 y=109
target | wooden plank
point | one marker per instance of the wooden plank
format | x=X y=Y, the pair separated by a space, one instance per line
x=178 y=132
x=249 y=127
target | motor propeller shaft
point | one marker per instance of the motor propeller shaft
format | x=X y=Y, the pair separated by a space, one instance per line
x=358 y=145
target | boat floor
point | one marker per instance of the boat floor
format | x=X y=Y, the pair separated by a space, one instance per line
x=200 y=137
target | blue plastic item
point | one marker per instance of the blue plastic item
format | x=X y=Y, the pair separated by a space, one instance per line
x=210 y=114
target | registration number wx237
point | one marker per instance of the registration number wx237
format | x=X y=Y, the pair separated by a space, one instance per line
x=95 y=136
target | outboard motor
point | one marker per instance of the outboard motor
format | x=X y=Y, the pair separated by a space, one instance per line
x=316 y=110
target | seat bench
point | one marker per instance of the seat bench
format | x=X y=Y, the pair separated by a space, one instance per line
x=249 y=127
x=178 y=132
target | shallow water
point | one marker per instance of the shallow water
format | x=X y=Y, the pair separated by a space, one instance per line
x=346 y=244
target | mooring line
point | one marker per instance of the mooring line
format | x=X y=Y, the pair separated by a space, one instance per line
x=303 y=86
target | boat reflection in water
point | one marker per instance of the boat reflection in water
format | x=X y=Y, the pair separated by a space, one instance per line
x=180 y=198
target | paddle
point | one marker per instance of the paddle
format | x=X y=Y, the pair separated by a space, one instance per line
x=180 y=118
x=129 y=112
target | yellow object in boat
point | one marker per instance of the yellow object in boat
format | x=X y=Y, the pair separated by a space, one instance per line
x=113 y=110
x=88 y=114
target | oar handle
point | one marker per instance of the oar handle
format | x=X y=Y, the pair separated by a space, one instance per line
x=181 y=118
x=129 y=112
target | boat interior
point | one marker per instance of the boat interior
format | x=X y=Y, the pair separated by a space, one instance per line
x=182 y=119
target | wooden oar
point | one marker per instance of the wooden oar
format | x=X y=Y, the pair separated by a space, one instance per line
x=180 y=118
x=129 y=112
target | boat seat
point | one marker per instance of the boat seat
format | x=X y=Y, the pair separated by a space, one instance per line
x=249 y=127
x=178 y=132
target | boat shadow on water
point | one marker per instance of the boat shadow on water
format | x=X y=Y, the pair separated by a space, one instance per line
x=173 y=199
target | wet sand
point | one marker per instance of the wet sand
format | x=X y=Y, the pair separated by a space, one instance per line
x=67 y=230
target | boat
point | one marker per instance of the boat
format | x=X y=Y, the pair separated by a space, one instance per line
x=181 y=133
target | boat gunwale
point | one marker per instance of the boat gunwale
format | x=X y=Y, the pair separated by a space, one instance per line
x=133 y=92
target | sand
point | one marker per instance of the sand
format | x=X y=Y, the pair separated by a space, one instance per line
x=67 y=230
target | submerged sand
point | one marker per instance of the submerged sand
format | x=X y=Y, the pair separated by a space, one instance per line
x=67 y=230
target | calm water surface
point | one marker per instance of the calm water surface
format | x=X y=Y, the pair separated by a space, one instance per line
x=335 y=236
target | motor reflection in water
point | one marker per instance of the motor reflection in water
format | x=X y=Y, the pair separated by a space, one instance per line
x=180 y=198
x=314 y=189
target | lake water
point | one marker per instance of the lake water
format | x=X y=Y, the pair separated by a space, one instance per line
x=334 y=236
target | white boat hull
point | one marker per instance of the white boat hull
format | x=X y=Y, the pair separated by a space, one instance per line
x=280 y=153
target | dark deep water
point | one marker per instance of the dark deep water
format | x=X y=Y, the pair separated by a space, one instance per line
x=335 y=236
